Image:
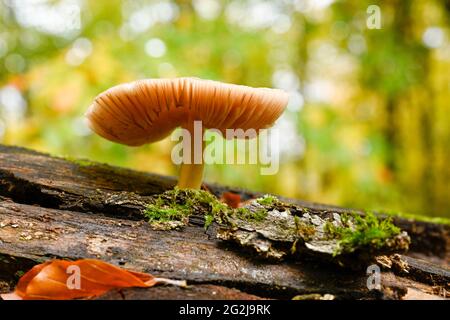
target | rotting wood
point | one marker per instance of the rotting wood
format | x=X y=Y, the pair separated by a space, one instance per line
x=64 y=209
x=35 y=233
x=31 y=177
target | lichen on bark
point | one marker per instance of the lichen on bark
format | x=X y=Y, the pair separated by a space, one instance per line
x=292 y=231
x=276 y=230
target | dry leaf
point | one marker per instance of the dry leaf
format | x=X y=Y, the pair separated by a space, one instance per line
x=231 y=199
x=57 y=280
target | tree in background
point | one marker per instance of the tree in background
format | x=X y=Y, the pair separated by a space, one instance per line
x=367 y=124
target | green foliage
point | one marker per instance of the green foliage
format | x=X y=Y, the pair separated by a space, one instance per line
x=358 y=232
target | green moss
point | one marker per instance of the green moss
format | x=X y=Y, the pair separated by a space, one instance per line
x=209 y=218
x=257 y=215
x=164 y=214
x=267 y=200
x=178 y=204
x=417 y=217
x=361 y=231
x=19 y=273
x=80 y=162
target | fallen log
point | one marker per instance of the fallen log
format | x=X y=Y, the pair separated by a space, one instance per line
x=57 y=208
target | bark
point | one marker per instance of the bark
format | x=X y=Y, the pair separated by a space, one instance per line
x=54 y=208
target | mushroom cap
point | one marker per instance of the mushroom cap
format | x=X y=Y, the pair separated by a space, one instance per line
x=148 y=110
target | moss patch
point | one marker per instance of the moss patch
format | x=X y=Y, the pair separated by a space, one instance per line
x=172 y=208
x=248 y=215
x=80 y=162
x=267 y=200
x=275 y=229
x=417 y=217
x=358 y=231
x=281 y=230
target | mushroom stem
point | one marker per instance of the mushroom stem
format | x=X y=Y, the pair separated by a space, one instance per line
x=191 y=174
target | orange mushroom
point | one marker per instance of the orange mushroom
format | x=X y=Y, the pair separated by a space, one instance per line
x=148 y=110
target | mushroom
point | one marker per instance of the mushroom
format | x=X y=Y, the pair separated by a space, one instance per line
x=148 y=110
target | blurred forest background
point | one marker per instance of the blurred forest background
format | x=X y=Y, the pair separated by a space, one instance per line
x=367 y=126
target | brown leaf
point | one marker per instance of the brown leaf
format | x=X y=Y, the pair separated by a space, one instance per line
x=231 y=199
x=53 y=280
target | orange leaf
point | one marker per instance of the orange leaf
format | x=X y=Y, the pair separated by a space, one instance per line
x=232 y=199
x=57 y=280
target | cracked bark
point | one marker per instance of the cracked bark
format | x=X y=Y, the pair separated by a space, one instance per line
x=54 y=208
